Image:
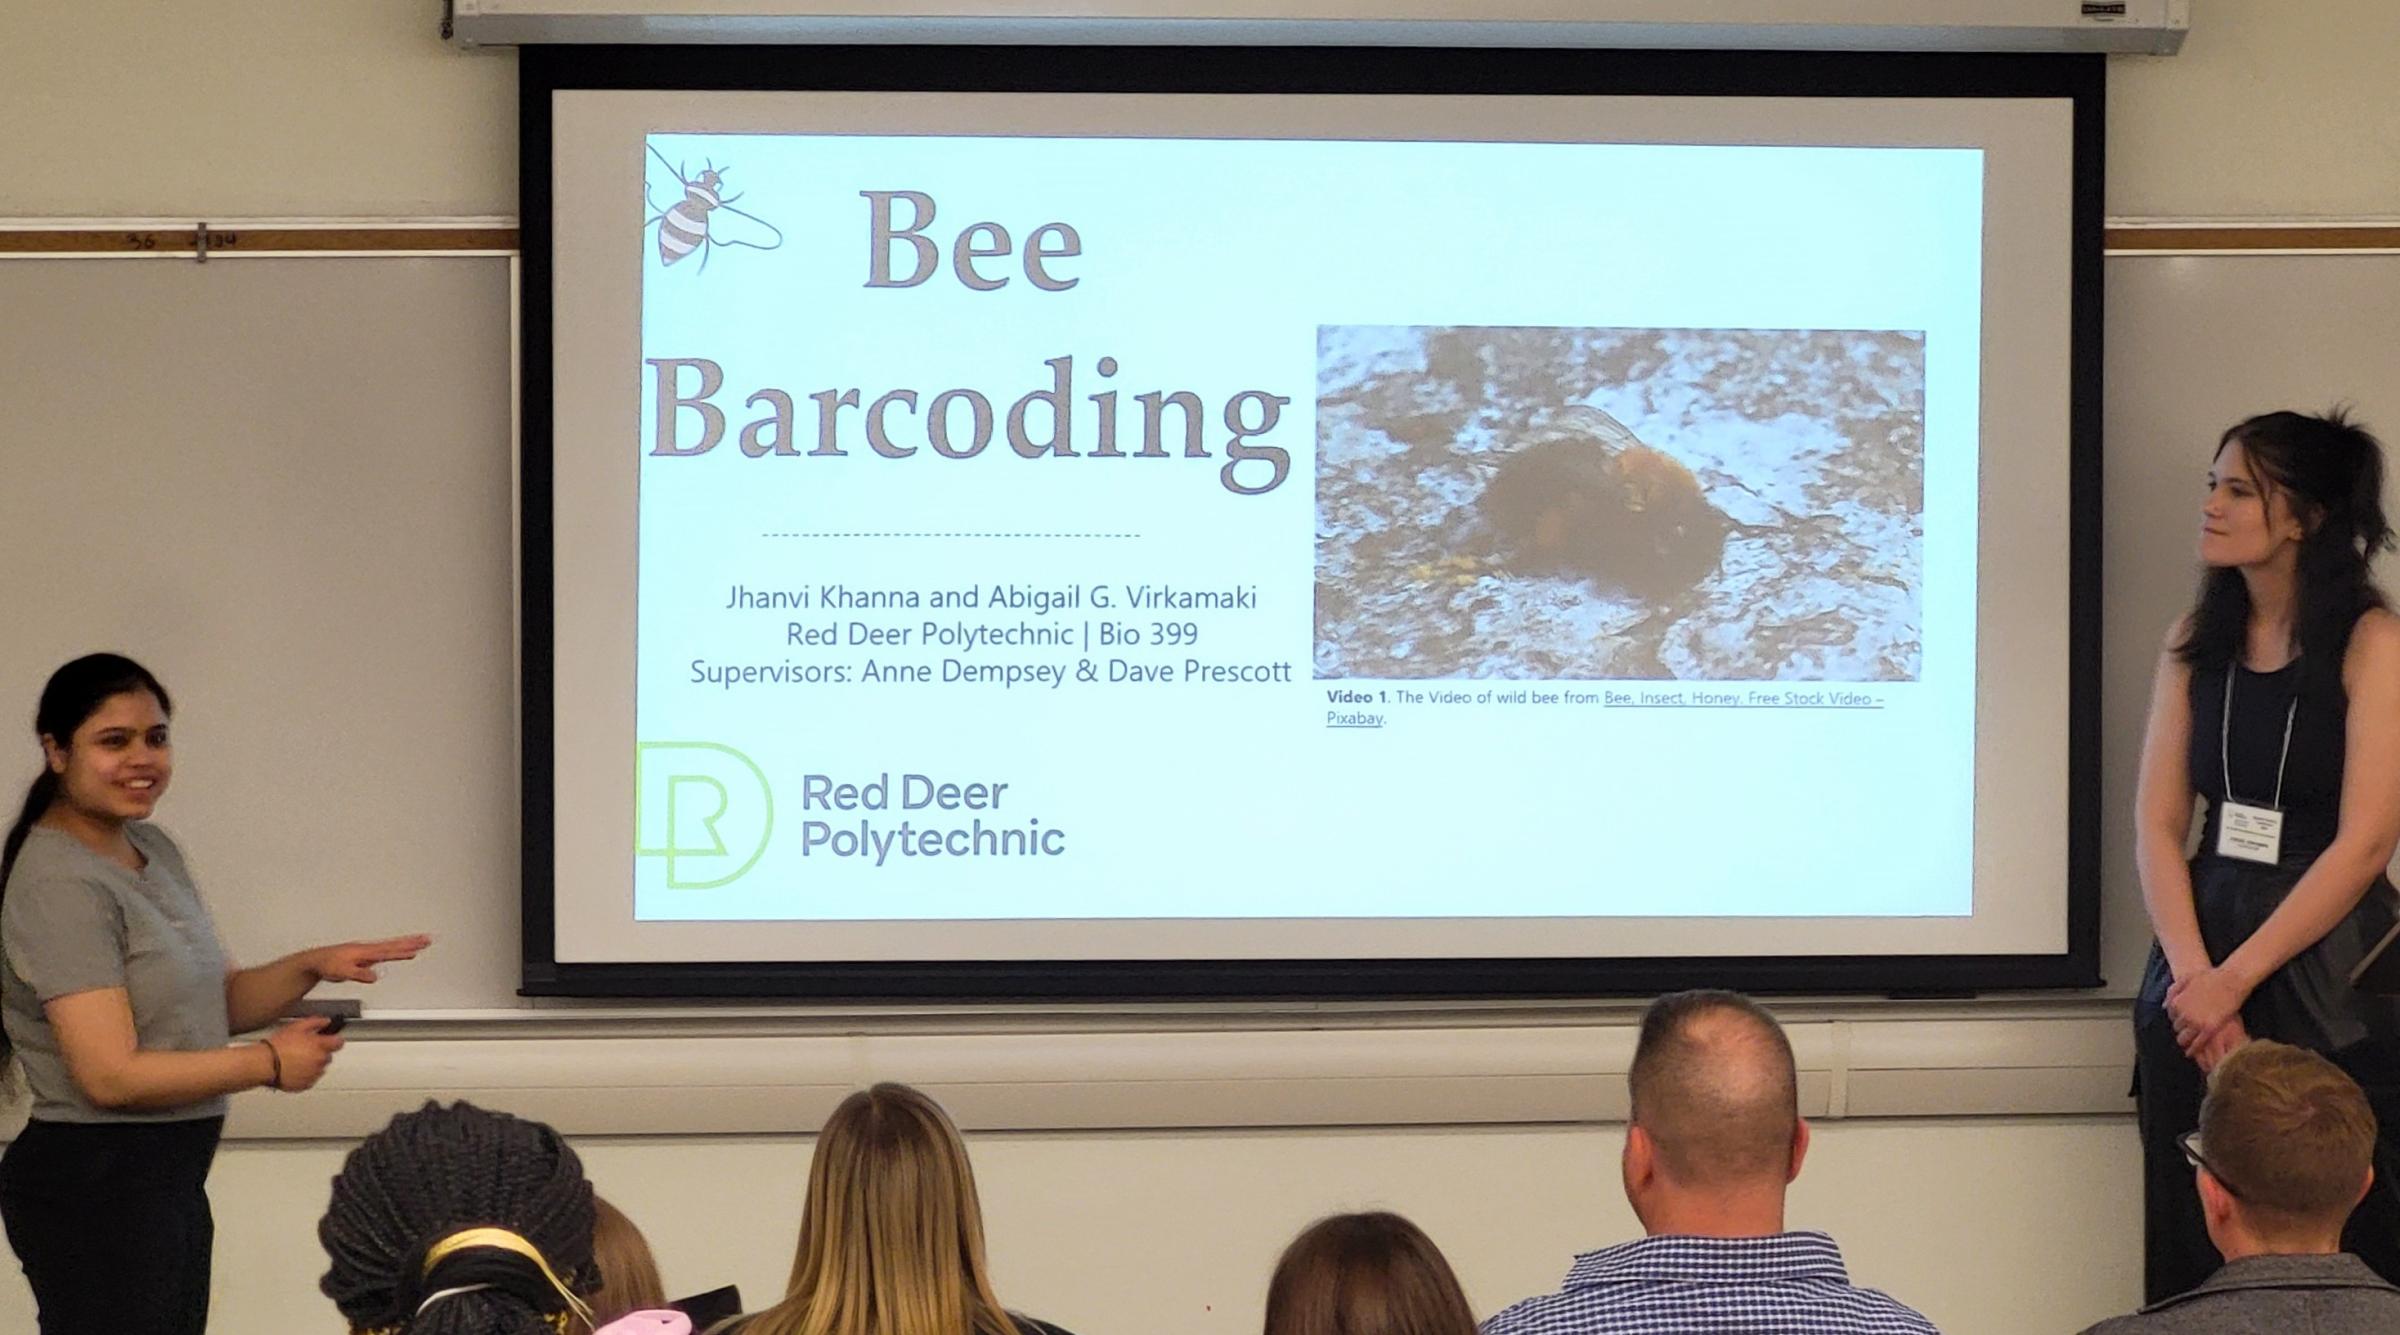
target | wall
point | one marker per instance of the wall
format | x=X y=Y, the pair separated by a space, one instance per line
x=278 y=108
x=1994 y=1227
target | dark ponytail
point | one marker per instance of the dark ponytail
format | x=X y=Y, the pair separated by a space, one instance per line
x=37 y=800
x=2331 y=472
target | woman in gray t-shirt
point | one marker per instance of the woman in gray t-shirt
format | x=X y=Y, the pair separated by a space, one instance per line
x=120 y=1004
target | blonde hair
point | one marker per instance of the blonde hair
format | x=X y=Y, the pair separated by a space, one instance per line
x=629 y=1280
x=891 y=1239
x=2290 y=1134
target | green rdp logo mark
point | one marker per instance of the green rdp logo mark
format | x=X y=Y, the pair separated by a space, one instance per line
x=704 y=807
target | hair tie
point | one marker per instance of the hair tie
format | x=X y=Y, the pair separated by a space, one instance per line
x=499 y=1239
x=439 y=1294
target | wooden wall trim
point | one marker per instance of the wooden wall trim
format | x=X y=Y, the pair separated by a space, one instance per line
x=2206 y=238
x=244 y=239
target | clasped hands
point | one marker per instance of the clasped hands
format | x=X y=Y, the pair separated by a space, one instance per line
x=2207 y=1010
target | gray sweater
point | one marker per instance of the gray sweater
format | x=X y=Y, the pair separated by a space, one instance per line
x=2288 y=1295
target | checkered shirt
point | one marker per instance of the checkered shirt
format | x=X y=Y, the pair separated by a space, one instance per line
x=1787 y=1284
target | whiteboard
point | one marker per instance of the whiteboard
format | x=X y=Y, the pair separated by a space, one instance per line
x=285 y=485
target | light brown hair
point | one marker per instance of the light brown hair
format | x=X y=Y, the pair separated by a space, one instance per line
x=891 y=1239
x=2289 y=1135
x=1365 y=1274
x=629 y=1280
x=1714 y=1085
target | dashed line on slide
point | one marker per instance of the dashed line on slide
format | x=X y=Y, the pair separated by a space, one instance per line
x=950 y=535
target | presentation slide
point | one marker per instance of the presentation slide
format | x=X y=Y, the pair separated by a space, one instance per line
x=1066 y=541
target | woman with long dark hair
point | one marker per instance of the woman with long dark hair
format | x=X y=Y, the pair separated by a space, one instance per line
x=119 y=1006
x=2277 y=703
x=891 y=1239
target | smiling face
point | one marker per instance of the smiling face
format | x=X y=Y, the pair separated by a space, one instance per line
x=2246 y=521
x=116 y=766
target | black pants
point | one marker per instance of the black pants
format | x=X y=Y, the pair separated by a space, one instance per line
x=111 y=1223
x=2177 y=1253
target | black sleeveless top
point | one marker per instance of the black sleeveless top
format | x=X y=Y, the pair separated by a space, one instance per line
x=2310 y=1000
x=2249 y=742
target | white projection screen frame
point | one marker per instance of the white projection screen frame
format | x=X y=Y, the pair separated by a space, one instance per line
x=1995 y=641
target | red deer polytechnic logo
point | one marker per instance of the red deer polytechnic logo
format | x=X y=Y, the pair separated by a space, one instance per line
x=703 y=807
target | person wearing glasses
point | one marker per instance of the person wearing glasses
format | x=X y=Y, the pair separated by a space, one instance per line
x=2284 y=1152
x=2276 y=703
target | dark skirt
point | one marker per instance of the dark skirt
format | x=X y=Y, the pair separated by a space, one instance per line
x=2308 y=1003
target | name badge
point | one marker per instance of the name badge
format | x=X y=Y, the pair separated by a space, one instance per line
x=2253 y=834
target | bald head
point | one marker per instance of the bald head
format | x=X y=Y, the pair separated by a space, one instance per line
x=1714 y=1086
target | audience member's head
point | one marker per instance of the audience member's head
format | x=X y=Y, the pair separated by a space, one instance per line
x=1716 y=1134
x=1365 y=1274
x=2285 y=1151
x=629 y=1279
x=891 y=1238
x=457 y=1221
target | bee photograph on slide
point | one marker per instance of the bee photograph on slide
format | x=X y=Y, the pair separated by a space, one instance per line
x=1644 y=504
x=699 y=215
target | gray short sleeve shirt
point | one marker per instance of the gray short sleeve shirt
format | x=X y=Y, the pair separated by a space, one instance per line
x=74 y=921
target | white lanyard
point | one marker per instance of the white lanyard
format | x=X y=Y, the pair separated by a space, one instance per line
x=2252 y=834
x=2225 y=740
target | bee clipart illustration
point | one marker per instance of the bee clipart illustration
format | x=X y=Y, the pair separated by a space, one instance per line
x=703 y=218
